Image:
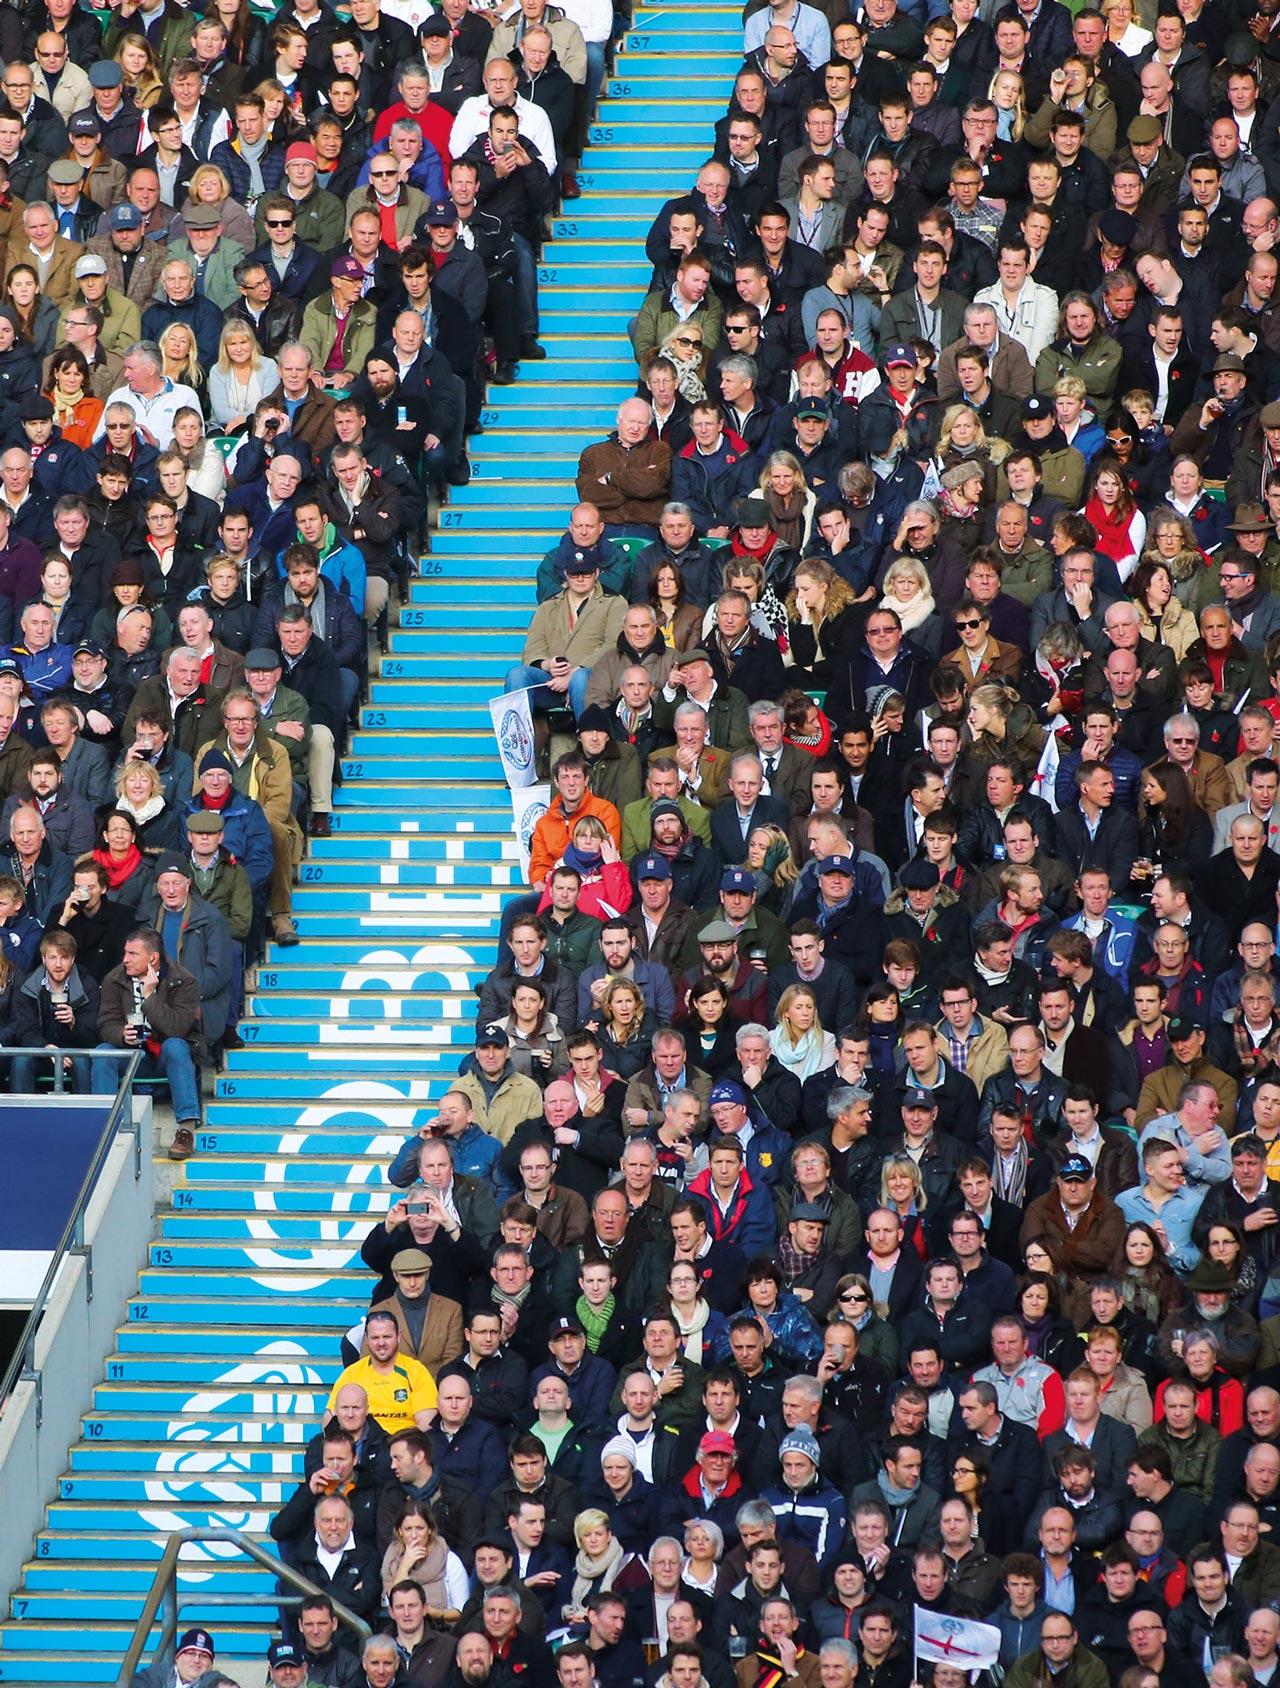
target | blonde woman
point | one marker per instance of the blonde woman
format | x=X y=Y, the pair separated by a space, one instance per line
x=797 y=1038
x=1007 y=95
x=143 y=81
x=769 y=857
x=599 y=1558
x=908 y=591
x=206 y=470
x=998 y=726
x=178 y=349
x=1171 y=540
x=1123 y=33
x=240 y=378
x=791 y=500
x=902 y=1192
x=820 y=624
x=210 y=187
x=140 y=796
x=684 y=350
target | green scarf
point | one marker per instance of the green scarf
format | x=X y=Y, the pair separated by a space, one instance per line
x=595 y=1324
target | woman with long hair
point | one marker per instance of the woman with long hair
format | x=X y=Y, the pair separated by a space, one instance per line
x=686 y=352
x=769 y=857
x=626 y=1028
x=998 y=725
x=822 y=623
x=240 y=378
x=143 y=77
x=679 y=620
x=768 y=612
x=246 y=34
x=37 y=316
x=181 y=363
x=1151 y=1289
x=1114 y=512
x=1050 y=1336
x=791 y=500
x=1163 y=617
x=206 y=469
x=1005 y=91
x=797 y=1039
x=881 y=1023
x=76 y=409
x=535 y=1034
x=1225 y=1243
x=711 y=1026
x=118 y=853
x=418 y=1553
x=1174 y=833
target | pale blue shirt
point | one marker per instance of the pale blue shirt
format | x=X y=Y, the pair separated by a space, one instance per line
x=810 y=28
x=1176 y=1216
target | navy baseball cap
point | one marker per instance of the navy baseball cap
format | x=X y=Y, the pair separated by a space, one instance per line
x=653 y=867
x=738 y=879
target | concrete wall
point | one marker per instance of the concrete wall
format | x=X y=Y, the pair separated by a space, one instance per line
x=75 y=1336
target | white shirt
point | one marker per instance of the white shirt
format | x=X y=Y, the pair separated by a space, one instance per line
x=472 y=121
x=157 y=414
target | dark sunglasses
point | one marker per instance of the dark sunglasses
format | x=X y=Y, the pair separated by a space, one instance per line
x=965 y=626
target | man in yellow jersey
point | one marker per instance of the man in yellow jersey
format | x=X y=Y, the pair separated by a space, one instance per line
x=401 y=1391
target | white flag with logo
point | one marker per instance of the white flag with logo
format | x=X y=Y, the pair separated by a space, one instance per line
x=1046 y=775
x=955 y=1641
x=528 y=805
x=513 y=728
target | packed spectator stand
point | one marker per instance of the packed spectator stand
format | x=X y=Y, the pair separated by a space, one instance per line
x=870 y=1144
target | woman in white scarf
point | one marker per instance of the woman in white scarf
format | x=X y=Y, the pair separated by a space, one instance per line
x=599 y=1559
x=704 y=1543
x=797 y=1038
x=698 y=1324
x=908 y=591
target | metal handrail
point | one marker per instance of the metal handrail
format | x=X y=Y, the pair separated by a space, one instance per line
x=22 y=1365
x=164 y=1591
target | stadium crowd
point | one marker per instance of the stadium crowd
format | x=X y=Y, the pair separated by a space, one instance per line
x=256 y=271
x=861 y=1203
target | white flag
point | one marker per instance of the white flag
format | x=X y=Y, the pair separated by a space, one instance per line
x=955 y=1641
x=1046 y=775
x=513 y=729
x=528 y=805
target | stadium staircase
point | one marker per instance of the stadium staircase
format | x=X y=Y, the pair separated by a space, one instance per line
x=230 y=1346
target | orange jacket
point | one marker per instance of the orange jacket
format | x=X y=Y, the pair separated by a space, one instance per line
x=552 y=834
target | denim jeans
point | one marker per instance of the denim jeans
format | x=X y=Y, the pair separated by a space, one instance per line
x=519 y=677
x=173 y=1063
x=22 y=1075
x=526 y=287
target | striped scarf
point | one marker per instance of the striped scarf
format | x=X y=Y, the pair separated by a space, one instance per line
x=594 y=1323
